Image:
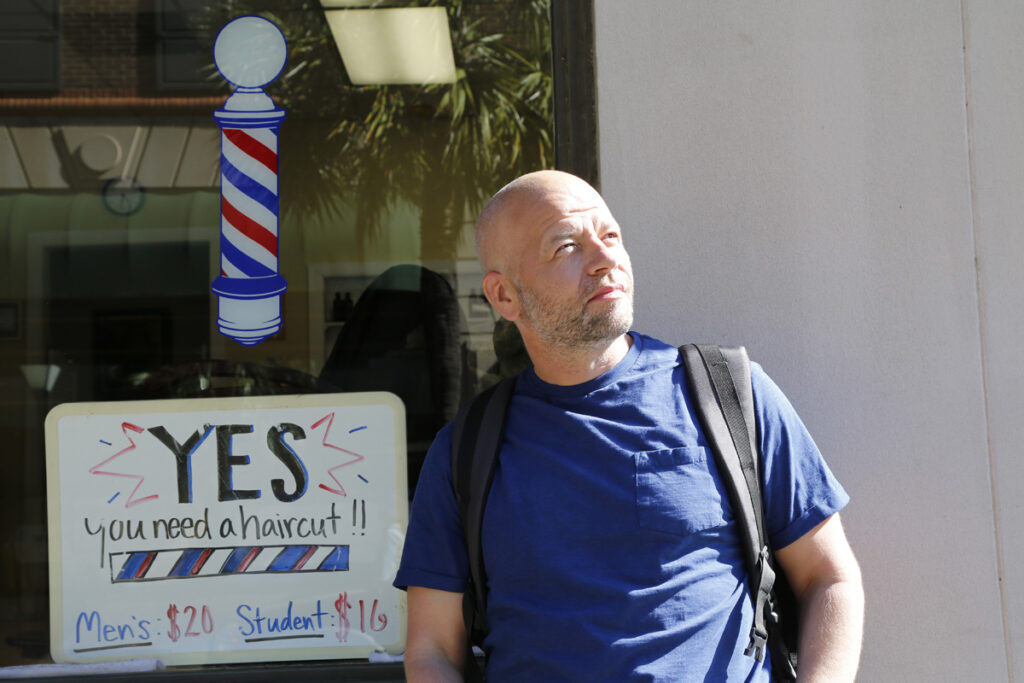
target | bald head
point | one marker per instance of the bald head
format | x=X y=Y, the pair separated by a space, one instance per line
x=522 y=204
x=555 y=265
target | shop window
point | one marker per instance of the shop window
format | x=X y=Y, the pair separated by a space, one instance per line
x=182 y=55
x=29 y=45
x=114 y=196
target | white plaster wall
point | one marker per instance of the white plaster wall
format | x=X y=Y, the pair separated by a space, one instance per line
x=995 y=78
x=798 y=177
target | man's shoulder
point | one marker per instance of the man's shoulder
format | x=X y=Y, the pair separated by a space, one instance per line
x=654 y=351
x=650 y=343
x=438 y=460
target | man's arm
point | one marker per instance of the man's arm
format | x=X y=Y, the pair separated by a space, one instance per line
x=826 y=580
x=435 y=646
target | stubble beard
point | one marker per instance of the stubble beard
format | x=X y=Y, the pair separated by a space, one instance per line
x=574 y=327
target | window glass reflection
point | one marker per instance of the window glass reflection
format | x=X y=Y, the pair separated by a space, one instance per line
x=110 y=214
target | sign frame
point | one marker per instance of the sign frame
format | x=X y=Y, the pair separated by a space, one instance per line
x=353 y=611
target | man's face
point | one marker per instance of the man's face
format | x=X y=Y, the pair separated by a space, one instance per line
x=573 y=275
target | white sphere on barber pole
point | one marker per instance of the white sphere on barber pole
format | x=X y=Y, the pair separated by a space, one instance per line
x=250 y=51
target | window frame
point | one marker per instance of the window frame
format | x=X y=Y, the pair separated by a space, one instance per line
x=49 y=37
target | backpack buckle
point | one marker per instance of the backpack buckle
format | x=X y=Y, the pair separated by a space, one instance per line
x=758 y=640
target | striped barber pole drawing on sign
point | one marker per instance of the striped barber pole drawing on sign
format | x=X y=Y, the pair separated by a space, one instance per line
x=249 y=52
x=157 y=565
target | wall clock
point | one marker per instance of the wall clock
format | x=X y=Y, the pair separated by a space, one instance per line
x=123 y=196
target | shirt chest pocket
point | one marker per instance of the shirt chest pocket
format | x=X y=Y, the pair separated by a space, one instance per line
x=678 y=491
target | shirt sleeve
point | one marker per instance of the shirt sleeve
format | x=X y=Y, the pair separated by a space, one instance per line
x=800 y=490
x=434 y=555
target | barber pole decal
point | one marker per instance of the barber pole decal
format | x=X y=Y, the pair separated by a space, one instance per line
x=249 y=52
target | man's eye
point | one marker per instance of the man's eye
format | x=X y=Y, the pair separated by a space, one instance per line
x=565 y=248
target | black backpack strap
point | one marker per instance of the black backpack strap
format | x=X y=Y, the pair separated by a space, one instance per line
x=723 y=394
x=476 y=440
x=729 y=370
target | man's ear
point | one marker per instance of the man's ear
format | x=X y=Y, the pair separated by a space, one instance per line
x=502 y=295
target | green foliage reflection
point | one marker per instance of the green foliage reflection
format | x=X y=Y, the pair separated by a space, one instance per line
x=444 y=148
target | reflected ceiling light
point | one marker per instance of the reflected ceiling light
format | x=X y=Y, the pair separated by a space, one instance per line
x=406 y=45
x=41 y=376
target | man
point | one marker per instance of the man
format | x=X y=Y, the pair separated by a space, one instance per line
x=610 y=547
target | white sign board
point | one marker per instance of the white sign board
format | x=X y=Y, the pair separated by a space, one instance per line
x=227 y=529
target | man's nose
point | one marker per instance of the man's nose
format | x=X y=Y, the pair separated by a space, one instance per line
x=604 y=257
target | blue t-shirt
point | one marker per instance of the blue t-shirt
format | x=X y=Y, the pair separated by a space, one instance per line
x=610 y=547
